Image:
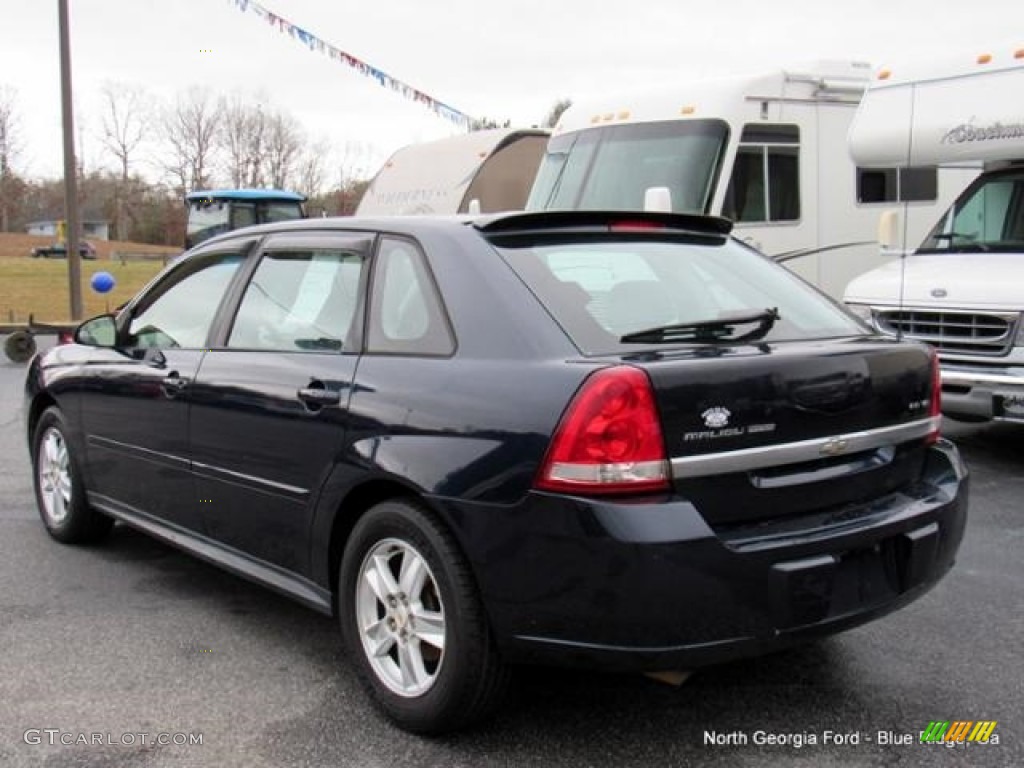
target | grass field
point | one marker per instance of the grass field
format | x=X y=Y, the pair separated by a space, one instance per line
x=40 y=286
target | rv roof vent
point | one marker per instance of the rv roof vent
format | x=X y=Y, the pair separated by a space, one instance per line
x=658 y=199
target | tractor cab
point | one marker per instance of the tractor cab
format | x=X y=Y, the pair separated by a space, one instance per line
x=214 y=211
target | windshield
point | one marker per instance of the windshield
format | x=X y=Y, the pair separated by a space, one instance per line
x=601 y=291
x=206 y=218
x=611 y=167
x=988 y=216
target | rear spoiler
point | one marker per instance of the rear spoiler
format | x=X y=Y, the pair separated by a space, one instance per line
x=566 y=222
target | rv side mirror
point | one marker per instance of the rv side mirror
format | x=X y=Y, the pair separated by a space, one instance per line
x=889 y=230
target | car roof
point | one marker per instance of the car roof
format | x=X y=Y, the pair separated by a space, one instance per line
x=501 y=224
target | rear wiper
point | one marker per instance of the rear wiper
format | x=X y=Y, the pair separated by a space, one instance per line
x=719 y=329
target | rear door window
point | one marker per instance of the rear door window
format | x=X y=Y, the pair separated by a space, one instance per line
x=300 y=299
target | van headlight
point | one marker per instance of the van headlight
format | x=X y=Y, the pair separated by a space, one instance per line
x=863 y=311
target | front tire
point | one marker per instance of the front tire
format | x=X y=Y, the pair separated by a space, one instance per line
x=60 y=494
x=412 y=620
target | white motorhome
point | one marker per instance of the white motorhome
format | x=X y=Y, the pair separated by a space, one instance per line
x=962 y=289
x=768 y=151
x=493 y=167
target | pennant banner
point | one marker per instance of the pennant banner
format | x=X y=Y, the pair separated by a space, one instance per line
x=316 y=44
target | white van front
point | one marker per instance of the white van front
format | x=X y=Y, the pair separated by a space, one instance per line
x=962 y=291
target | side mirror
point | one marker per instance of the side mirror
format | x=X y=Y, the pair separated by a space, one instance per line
x=98 y=332
x=889 y=230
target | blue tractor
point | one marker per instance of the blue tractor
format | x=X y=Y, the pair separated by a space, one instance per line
x=213 y=211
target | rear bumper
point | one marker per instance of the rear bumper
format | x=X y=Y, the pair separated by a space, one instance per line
x=983 y=393
x=648 y=585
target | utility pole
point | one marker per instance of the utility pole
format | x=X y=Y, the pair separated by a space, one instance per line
x=70 y=167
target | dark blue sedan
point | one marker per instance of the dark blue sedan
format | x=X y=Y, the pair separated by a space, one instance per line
x=615 y=440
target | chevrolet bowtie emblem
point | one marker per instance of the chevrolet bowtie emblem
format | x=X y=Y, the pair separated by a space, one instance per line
x=835 y=446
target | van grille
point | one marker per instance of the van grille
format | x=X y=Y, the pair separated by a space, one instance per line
x=974 y=333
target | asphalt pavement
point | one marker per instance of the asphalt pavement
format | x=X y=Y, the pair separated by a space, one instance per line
x=107 y=650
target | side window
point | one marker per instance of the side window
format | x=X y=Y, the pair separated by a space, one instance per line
x=299 y=300
x=242 y=215
x=765 y=183
x=891 y=185
x=406 y=316
x=180 y=311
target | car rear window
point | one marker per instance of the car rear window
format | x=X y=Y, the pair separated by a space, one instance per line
x=601 y=290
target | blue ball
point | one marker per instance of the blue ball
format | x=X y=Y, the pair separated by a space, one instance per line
x=102 y=282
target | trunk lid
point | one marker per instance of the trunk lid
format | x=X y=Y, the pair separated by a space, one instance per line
x=762 y=431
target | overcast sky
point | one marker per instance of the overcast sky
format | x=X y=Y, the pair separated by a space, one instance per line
x=509 y=60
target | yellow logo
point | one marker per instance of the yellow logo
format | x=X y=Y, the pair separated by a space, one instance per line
x=958 y=730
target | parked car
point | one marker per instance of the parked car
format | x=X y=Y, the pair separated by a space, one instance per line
x=618 y=440
x=60 y=251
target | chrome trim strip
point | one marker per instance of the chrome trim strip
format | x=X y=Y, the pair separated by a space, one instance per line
x=744 y=460
x=219 y=473
x=980 y=378
x=137 y=452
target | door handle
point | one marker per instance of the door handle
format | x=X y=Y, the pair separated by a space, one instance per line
x=316 y=395
x=173 y=384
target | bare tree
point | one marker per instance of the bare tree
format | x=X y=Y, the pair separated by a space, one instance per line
x=243 y=136
x=355 y=162
x=190 y=127
x=311 y=171
x=487 y=123
x=353 y=173
x=124 y=129
x=555 y=113
x=10 y=148
x=284 y=144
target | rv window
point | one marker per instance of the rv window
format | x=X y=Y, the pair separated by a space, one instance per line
x=765 y=183
x=770 y=134
x=988 y=216
x=562 y=171
x=611 y=167
x=904 y=185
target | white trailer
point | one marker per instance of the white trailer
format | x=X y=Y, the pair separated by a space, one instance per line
x=494 y=167
x=962 y=288
x=768 y=151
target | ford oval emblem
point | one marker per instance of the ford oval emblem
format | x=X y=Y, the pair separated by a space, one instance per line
x=939 y=293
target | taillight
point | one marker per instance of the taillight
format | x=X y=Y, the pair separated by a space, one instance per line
x=609 y=439
x=935 y=407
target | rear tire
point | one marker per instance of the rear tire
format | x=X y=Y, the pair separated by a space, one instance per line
x=60 y=494
x=412 y=620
